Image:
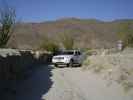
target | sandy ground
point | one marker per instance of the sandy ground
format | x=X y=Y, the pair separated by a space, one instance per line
x=48 y=83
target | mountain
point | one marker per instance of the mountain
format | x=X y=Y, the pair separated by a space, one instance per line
x=87 y=33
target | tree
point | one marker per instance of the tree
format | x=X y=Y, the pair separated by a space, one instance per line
x=67 y=41
x=49 y=44
x=7 y=22
x=125 y=33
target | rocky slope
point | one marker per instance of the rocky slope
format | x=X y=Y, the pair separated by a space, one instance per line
x=88 y=33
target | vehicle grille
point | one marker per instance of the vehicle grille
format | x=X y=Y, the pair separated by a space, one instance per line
x=59 y=58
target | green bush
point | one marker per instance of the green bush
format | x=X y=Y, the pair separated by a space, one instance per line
x=125 y=33
x=49 y=45
x=67 y=41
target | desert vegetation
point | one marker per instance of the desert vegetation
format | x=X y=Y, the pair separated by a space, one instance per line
x=125 y=33
x=85 y=33
x=114 y=67
x=49 y=44
x=7 y=22
x=67 y=40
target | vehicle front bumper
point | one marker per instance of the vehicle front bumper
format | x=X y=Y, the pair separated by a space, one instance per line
x=60 y=62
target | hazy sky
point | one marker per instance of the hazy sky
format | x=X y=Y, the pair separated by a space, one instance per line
x=42 y=10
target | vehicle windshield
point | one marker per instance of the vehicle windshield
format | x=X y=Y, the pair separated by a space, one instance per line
x=66 y=53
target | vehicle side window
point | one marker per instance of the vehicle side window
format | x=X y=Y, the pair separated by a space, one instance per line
x=77 y=53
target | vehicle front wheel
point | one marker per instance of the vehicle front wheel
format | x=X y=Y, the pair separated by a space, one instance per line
x=79 y=65
x=55 y=65
x=70 y=64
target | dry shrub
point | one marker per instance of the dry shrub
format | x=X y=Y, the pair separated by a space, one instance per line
x=113 y=67
x=49 y=44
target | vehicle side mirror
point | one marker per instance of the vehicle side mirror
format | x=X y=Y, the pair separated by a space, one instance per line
x=75 y=54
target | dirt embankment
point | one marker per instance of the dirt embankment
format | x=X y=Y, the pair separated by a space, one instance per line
x=115 y=67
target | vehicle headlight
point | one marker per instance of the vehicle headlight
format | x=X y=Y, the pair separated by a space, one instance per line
x=66 y=60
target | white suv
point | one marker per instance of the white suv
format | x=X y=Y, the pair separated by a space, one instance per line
x=69 y=58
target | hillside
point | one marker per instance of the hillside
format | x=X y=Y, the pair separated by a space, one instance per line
x=87 y=33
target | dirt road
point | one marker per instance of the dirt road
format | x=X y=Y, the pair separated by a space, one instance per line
x=49 y=83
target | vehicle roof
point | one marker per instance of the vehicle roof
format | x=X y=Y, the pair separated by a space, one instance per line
x=70 y=50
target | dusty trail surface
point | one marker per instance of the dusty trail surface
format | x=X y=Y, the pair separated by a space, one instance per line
x=50 y=83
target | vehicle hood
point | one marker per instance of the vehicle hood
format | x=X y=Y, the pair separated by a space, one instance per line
x=65 y=56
